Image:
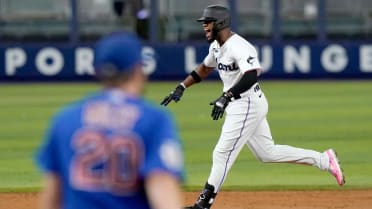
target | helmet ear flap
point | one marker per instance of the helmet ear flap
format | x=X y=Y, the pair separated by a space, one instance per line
x=220 y=24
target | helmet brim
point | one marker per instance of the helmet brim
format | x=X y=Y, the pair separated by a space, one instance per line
x=203 y=19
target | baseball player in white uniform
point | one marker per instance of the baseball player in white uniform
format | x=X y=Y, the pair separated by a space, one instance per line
x=245 y=105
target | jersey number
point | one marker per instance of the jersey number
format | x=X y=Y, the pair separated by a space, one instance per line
x=105 y=165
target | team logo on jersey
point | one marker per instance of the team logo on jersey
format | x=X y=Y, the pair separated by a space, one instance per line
x=250 y=60
x=231 y=67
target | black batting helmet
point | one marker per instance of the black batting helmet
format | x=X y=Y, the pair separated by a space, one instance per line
x=218 y=14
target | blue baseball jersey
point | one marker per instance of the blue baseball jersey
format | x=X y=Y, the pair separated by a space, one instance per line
x=105 y=145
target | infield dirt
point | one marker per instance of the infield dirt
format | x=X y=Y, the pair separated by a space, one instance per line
x=335 y=199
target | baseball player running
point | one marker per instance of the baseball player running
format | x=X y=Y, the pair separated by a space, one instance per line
x=245 y=105
x=113 y=149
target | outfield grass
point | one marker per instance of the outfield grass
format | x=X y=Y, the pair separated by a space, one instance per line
x=306 y=114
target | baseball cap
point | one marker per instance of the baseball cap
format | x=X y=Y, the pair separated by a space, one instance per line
x=120 y=51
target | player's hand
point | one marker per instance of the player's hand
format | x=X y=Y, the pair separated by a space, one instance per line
x=219 y=106
x=175 y=95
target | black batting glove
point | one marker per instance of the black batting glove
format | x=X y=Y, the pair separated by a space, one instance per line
x=219 y=106
x=175 y=95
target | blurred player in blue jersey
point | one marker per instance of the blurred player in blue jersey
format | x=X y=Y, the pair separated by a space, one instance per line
x=113 y=149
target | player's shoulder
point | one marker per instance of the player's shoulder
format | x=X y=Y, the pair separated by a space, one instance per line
x=239 y=43
x=213 y=45
x=72 y=110
x=154 y=119
x=154 y=110
x=239 y=40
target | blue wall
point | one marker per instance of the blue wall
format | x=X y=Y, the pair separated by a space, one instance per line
x=173 y=61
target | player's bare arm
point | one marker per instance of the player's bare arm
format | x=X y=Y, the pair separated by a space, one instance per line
x=51 y=195
x=163 y=191
x=195 y=76
x=199 y=74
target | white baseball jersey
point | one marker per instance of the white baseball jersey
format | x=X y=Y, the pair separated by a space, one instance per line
x=232 y=59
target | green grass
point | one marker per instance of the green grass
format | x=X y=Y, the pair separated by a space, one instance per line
x=307 y=114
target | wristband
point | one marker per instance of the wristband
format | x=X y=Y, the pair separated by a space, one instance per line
x=195 y=76
x=231 y=95
x=183 y=85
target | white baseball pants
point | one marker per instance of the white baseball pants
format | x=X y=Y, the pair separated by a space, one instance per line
x=246 y=124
